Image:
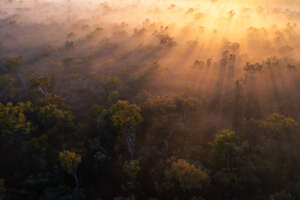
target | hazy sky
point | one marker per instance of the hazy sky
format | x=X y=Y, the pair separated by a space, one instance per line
x=205 y=20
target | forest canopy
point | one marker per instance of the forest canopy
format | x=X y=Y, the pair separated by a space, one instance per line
x=149 y=100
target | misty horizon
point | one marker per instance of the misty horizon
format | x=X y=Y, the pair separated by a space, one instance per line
x=149 y=99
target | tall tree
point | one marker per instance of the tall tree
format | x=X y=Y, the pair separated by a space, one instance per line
x=70 y=161
x=126 y=117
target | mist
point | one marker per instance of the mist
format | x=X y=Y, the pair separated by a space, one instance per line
x=182 y=36
x=220 y=64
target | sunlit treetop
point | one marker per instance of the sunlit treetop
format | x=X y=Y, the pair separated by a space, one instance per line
x=69 y=161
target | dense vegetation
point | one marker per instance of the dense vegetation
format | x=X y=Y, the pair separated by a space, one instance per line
x=101 y=116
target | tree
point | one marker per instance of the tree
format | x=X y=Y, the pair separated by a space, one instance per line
x=50 y=116
x=160 y=112
x=110 y=87
x=70 y=161
x=42 y=85
x=113 y=97
x=38 y=144
x=13 y=119
x=7 y=87
x=59 y=102
x=126 y=117
x=232 y=172
x=185 y=105
x=228 y=148
x=275 y=125
x=37 y=148
x=12 y=66
x=156 y=105
x=277 y=122
x=185 y=176
x=141 y=77
x=167 y=116
x=131 y=169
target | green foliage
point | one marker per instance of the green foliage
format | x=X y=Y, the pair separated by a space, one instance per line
x=109 y=95
x=232 y=162
x=227 y=141
x=113 y=97
x=42 y=84
x=7 y=90
x=125 y=115
x=184 y=103
x=228 y=151
x=50 y=116
x=13 y=118
x=140 y=77
x=252 y=68
x=226 y=178
x=74 y=61
x=131 y=169
x=277 y=122
x=69 y=161
x=52 y=99
x=111 y=84
x=186 y=176
x=165 y=105
x=95 y=111
x=159 y=105
x=38 y=144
